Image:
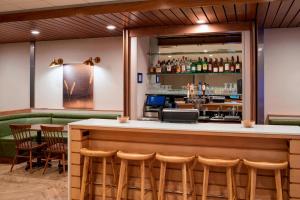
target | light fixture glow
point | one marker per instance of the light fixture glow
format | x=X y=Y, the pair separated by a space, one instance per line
x=169 y=56
x=35 y=32
x=260 y=49
x=111 y=27
x=205 y=50
x=210 y=55
x=200 y=21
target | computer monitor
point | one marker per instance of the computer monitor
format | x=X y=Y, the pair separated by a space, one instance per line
x=155 y=100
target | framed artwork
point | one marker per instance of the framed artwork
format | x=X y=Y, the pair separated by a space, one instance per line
x=78 y=86
x=140 y=77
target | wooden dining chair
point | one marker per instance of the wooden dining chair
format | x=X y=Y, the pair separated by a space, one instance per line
x=24 y=143
x=56 y=148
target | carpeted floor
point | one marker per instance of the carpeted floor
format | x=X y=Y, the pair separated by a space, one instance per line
x=21 y=185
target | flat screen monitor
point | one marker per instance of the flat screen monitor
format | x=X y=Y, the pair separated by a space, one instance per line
x=156 y=100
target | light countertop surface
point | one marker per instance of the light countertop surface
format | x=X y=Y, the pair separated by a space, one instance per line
x=198 y=127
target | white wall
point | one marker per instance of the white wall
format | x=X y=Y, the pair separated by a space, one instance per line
x=282 y=71
x=14 y=76
x=139 y=64
x=108 y=82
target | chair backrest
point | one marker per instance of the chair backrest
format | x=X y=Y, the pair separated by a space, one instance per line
x=54 y=138
x=22 y=135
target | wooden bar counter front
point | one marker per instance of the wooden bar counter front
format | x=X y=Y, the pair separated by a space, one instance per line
x=226 y=141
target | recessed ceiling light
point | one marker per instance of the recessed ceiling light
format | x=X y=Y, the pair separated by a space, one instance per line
x=111 y=27
x=200 y=21
x=169 y=56
x=35 y=32
x=210 y=55
x=205 y=50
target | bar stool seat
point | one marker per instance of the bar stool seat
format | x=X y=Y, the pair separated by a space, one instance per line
x=187 y=166
x=123 y=177
x=88 y=166
x=228 y=164
x=253 y=166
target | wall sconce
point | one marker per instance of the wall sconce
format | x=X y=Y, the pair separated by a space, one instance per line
x=56 y=62
x=91 y=61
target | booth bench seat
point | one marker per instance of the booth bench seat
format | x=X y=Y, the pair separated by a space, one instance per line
x=7 y=146
x=292 y=120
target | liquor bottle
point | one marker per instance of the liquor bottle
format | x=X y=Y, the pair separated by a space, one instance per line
x=238 y=65
x=178 y=67
x=227 y=66
x=205 y=65
x=188 y=68
x=210 y=65
x=169 y=67
x=199 y=65
x=232 y=65
x=193 y=66
x=158 y=67
x=189 y=64
x=215 y=66
x=221 y=66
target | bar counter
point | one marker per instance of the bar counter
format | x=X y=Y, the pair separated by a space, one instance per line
x=260 y=143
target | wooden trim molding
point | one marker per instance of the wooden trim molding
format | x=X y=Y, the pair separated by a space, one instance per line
x=115 y=8
x=126 y=65
x=253 y=78
x=74 y=110
x=190 y=29
x=11 y=112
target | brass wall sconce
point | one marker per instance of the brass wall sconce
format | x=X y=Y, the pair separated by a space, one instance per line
x=56 y=62
x=91 y=61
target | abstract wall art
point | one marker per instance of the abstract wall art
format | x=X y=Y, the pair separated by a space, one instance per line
x=78 y=85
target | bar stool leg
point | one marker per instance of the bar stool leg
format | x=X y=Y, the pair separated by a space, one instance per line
x=205 y=182
x=252 y=183
x=121 y=180
x=192 y=182
x=184 y=181
x=234 y=186
x=163 y=167
x=248 y=186
x=84 y=177
x=142 y=180
x=229 y=183
x=103 y=178
x=126 y=180
x=91 y=180
x=152 y=180
x=114 y=189
x=278 y=184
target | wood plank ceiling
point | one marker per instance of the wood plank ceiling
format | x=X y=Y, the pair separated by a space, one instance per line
x=272 y=14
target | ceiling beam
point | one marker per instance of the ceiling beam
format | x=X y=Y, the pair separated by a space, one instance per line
x=115 y=8
x=176 y=30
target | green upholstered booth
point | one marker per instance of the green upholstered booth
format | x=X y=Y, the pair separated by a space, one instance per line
x=293 y=120
x=7 y=146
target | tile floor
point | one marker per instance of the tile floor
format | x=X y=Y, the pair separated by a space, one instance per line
x=21 y=185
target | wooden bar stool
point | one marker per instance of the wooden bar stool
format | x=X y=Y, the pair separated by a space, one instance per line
x=123 y=177
x=187 y=166
x=88 y=166
x=254 y=166
x=229 y=165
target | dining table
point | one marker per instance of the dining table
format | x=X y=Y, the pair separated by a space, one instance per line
x=39 y=139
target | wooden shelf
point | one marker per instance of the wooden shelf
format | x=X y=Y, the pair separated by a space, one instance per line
x=196 y=73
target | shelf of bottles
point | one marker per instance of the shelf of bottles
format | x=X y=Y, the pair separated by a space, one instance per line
x=187 y=66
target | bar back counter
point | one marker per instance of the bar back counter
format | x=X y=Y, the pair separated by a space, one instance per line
x=264 y=143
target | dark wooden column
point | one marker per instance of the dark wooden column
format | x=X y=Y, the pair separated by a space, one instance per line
x=126 y=67
x=32 y=74
x=260 y=76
